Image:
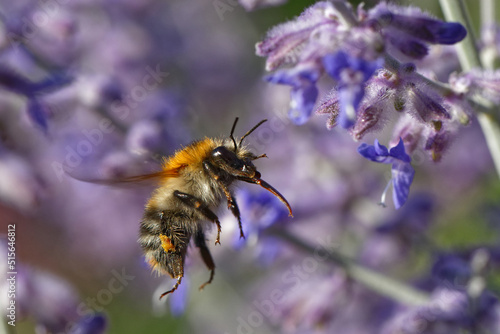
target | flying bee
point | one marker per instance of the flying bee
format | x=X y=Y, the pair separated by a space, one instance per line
x=192 y=183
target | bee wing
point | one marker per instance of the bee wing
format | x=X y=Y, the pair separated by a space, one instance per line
x=151 y=179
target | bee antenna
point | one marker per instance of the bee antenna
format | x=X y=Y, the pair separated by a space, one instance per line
x=231 y=134
x=252 y=130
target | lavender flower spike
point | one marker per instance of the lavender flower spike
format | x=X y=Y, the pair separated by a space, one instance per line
x=351 y=73
x=285 y=43
x=402 y=171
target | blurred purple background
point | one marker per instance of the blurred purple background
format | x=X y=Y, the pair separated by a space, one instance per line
x=104 y=89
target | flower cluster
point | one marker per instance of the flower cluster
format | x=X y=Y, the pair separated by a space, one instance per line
x=322 y=40
x=366 y=53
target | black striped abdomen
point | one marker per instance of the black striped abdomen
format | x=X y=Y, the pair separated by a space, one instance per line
x=164 y=240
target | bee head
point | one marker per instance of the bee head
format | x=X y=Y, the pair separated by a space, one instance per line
x=233 y=158
x=237 y=163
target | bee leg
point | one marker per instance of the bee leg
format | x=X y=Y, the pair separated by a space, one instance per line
x=176 y=285
x=194 y=203
x=260 y=156
x=233 y=206
x=199 y=241
x=231 y=202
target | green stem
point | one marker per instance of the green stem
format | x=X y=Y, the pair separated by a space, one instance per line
x=454 y=10
x=346 y=15
x=488 y=12
x=371 y=279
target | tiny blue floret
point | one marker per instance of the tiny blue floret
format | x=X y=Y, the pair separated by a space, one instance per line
x=304 y=92
x=402 y=171
x=351 y=73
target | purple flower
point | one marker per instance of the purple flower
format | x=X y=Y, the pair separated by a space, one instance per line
x=351 y=74
x=259 y=212
x=372 y=112
x=285 y=43
x=351 y=52
x=425 y=103
x=402 y=171
x=304 y=92
x=409 y=29
x=16 y=83
x=449 y=311
x=92 y=324
x=413 y=95
x=261 y=209
x=485 y=83
x=451 y=270
x=330 y=106
x=417 y=24
x=437 y=143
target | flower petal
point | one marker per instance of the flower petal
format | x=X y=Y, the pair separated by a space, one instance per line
x=367 y=151
x=380 y=149
x=450 y=33
x=350 y=97
x=376 y=152
x=302 y=102
x=334 y=63
x=402 y=177
x=399 y=152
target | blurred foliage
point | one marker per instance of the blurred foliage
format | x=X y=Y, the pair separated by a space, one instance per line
x=466 y=224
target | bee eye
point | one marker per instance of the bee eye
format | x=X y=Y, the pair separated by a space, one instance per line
x=228 y=157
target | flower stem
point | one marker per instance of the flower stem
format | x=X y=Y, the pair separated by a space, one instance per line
x=488 y=12
x=346 y=15
x=371 y=279
x=455 y=10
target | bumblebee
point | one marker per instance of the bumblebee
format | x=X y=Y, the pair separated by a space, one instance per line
x=192 y=183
